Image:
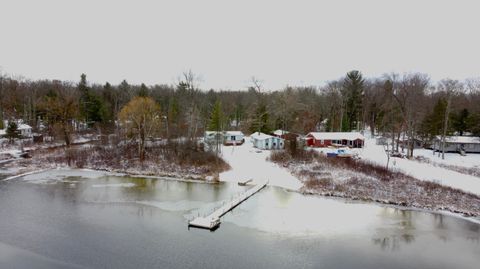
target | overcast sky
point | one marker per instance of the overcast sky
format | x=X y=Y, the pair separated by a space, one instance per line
x=228 y=42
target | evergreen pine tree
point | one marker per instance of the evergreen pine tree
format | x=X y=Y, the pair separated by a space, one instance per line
x=91 y=105
x=261 y=121
x=12 y=131
x=143 y=92
x=216 y=118
x=460 y=121
x=353 y=96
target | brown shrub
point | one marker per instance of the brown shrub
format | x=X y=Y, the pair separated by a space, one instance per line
x=321 y=183
x=284 y=156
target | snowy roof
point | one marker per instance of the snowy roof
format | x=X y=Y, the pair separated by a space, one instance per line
x=280 y=132
x=212 y=133
x=20 y=127
x=23 y=126
x=234 y=133
x=336 y=135
x=260 y=136
x=461 y=139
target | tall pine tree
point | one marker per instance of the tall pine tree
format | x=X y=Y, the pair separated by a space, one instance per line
x=353 y=98
x=216 y=125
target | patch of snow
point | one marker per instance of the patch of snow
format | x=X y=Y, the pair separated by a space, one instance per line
x=423 y=171
x=247 y=162
x=24 y=174
x=471 y=160
x=15 y=153
x=57 y=175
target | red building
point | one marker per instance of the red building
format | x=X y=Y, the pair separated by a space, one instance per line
x=325 y=139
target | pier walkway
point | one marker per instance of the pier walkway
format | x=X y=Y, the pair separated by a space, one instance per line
x=212 y=220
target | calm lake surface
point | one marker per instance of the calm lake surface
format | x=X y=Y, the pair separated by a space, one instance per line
x=81 y=219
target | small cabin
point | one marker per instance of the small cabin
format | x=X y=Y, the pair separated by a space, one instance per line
x=265 y=141
x=24 y=130
x=339 y=139
x=227 y=138
x=233 y=138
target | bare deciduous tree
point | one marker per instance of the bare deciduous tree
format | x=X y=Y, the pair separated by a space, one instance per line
x=450 y=88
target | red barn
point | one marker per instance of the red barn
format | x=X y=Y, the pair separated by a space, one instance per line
x=325 y=139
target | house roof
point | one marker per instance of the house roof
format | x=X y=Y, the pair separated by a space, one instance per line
x=262 y=136
x=461 y=139
x=23 y=126
x=234 y=133
x=336 y=135
x=208 y=133
x=280 y=132
x=20 y=127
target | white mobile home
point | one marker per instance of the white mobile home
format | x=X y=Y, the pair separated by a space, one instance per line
x=264 y=141
x=226 y=138
x=466 y=144
x=233 y=138
x=213 y=136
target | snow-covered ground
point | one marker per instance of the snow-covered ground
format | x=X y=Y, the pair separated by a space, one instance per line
x=427 y=171
x=471 y=160
x=248 y=162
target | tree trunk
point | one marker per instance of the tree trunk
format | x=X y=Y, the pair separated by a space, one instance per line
x=66 y=135
x=141 y=145
x=445 y=127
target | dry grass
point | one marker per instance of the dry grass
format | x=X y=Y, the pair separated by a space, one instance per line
x=371 y=182
x=174 y=158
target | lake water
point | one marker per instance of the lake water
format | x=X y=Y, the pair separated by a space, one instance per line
x=78 y=219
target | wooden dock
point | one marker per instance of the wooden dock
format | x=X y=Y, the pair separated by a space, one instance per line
x=212 y=221
x=244 y=182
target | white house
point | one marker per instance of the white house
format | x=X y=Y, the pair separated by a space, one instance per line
x=212 y=136
x=467 y=144
x=25 y=130
x=226 y=138
x=264 y=141
x=233 y=138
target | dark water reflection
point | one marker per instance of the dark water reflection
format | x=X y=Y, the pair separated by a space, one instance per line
x=61 y=220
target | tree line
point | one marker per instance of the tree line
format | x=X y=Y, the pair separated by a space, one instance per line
x=409 y=105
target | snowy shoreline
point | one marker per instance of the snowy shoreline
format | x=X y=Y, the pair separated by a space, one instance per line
x=343 y=198
x=391 y=204
x=119 y=173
